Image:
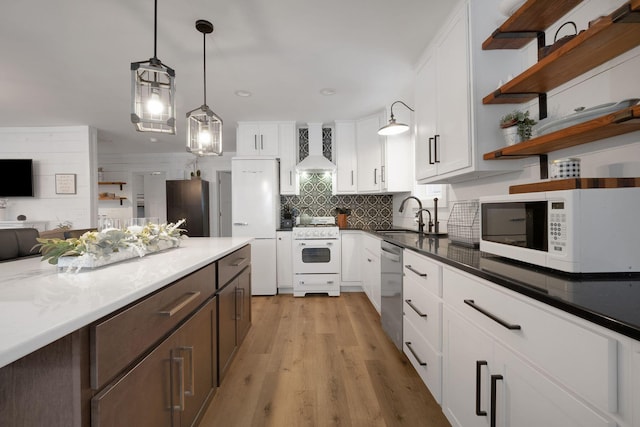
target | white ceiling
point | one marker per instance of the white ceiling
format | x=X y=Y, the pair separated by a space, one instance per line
x=66 y=62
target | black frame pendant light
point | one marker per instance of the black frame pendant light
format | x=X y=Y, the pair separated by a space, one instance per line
x=204 y=127
x=394 y=128
x=153 y=87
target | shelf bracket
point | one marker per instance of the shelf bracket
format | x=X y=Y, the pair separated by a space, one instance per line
x=542 y=106
x=544 y=166
x=626 y=15
x=120 y=186
x=497 y=34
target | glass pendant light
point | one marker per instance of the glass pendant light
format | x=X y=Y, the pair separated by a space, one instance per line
x=153 y=102
x=394 y=128
x=204 y=127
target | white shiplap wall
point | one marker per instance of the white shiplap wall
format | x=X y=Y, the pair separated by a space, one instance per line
x=55 y=150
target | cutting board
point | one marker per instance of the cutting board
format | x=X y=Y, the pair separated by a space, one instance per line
x=573 y=184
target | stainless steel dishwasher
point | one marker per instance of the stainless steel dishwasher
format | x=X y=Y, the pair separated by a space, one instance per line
x=391 y=291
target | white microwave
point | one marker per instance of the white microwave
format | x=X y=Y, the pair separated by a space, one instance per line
x=577 y=231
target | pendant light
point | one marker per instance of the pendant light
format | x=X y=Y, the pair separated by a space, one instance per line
x=204 y=127
x=394 y=128
x=153 y=102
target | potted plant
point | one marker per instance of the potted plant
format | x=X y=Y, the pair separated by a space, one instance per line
x=516 y=126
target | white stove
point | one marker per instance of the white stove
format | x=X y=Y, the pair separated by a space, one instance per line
x=316 y=257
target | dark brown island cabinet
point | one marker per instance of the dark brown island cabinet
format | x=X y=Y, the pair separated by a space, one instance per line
x=189 y=200
x=151 y=363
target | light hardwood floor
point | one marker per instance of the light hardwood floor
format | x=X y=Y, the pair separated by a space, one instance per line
x=320 y=361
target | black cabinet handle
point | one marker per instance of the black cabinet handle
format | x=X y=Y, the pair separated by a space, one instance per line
x=479 y=365
x=421 y=314
x=491 y=316
x=420 y=362
x=415 y=271
x=494 y=380
x=436 y=139
x=431 y=162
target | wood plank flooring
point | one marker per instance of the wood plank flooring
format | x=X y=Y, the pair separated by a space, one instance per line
x=320 y=361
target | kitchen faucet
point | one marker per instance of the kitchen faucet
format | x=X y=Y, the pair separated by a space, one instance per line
x=430 y=224
x=418 y=214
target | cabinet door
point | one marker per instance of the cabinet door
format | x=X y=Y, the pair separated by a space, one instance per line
x=243 y=305
x=344 y=148
x=452 y=139
x=426 y=111
x=247 y=139
x=351 y=252
x=467 y=371
x=189 y=199
x=397 y=175
x=289 y=179
x=525 y=396
x=196 y=347
x=226 y=327
x=284 y=257
x=369 y=147
x=268 y=139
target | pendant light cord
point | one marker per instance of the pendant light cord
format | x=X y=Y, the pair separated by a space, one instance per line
x=204 y=66
x=155 y=28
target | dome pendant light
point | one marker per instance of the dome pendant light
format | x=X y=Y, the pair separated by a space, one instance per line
x=204 y=127
x=394 y=128
x=153 y=102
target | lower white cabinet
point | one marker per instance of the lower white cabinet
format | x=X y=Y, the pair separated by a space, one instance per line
x=284 y=257
x=351 y=253
x=371 y=283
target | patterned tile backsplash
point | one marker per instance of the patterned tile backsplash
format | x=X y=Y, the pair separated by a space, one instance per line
x=368 y=212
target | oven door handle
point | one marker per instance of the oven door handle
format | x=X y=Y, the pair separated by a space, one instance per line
x=315 y=245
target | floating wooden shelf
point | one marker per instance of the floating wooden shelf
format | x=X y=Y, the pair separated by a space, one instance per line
x=617 y=123
x=113 y=198
x=119 y=183
x=607 y=38
x=574 y=183
x=528 y=23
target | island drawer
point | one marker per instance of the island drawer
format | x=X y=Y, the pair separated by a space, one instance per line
x=231 y=265
x=425 y=272
x=120 y=339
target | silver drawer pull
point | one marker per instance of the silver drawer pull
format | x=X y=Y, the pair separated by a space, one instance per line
x=241 y=223
x=420 y=362
x=492 y=316
x=180 y=362
x=415 y=271
x=421 y=314
x=183 y=301
x=239 y=262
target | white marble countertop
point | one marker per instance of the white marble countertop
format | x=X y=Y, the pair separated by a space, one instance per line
x=39 y=305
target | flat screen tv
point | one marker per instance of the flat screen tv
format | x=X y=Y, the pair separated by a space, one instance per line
x=16 y=178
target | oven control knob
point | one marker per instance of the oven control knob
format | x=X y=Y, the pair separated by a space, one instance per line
x=323 y=233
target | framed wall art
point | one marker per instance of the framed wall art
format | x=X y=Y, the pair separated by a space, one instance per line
x=65 y=183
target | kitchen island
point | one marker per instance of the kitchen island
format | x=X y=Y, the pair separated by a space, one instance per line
x=64 y=334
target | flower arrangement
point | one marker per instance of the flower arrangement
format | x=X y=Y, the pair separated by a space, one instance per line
x=520 y=119
x=112 y=243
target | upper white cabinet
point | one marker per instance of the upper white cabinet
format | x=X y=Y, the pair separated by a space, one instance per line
x=370 y=150
x=257 y=139
x=397 y=175
x=345 y=178
x=289 y=178
x=453 y=130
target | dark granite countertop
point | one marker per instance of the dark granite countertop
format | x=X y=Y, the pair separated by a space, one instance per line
x=609 y=300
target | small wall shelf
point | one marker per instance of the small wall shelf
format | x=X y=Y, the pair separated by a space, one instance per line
x=113 y=198
x=119 y=183
x=528 y=23
x=606 y=38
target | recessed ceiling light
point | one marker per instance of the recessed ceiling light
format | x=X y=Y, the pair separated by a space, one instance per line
x=243 y=93
x=327 y=91
x=153 y=139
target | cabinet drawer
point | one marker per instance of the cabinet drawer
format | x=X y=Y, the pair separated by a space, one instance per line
x=231 y=265
x=582 y=359
x=426 y=272
x=424 y=310
x=120 y=339
x=426 y=361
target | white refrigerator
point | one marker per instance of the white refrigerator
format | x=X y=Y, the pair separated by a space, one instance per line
x=255 y=206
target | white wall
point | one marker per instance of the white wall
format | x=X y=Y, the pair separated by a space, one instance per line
x=610 y=82
x=118 y=167
x=55 y=150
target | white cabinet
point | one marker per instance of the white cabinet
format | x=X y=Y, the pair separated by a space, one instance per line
x=284 y=261
x=257 y=139
x=351 y=252
x=289 y=178
x=541 y=368
x=397 y=175
x=345 y=178
x=453 y=127
x=371 y=283
x=370 y=151
x=422 y=319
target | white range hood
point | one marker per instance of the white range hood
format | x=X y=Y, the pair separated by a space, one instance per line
x=315 y=161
